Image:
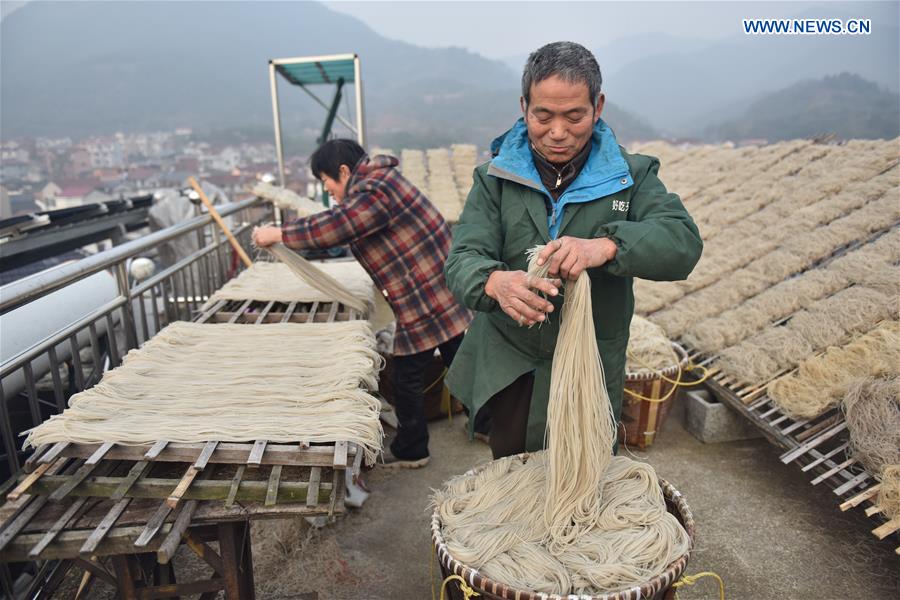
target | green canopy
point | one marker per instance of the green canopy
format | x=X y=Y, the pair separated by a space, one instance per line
x=319 y=71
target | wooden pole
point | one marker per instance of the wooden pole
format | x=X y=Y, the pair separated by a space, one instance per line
x=218 y=219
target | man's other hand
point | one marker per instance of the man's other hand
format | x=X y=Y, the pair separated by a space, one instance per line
x=570 y=256
x=513 y=291
x=266 y=236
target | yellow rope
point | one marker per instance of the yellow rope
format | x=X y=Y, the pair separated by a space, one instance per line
x=463 y=586
x=692 y=579
x=468 y=592
x=436 y=381
x=446 y=403
x=676 y=383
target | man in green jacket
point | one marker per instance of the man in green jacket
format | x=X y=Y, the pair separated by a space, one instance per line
x=558 y=178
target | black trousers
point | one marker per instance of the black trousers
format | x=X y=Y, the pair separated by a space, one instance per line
x=411 y=442
x=508 y=410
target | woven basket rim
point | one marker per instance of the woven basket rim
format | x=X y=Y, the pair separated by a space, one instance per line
x=667 y=372
x=645 y=590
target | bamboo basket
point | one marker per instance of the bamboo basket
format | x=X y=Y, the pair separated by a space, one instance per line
x=658 y=588
x=642 y=419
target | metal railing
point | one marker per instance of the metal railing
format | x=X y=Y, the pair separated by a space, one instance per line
x=38 y=381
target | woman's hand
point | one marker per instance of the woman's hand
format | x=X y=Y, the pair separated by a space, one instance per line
x=570 y=256
x=266 y=236
x=513 y=291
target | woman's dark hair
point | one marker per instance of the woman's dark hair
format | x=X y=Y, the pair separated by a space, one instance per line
x=329 y=157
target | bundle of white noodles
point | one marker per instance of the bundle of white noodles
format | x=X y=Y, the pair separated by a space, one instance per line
x=571 y=519
x=282 y=382
x=286 y=199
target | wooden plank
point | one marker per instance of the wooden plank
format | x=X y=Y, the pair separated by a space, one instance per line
x=235 y=486
x=182 y=521
x=182 y=589
x=137 y=471
x=796 y=425
x=180 y=489
x=155 y=450
x=780 y=420
x=311 y=317
x=203 y=317
x=861 y=497
x=770 y=412
x=32 y=460
x=57 y=527
x=119 y=541
x=98 y=454
x=340 y=454
x=160 y=489
x=230 y=550
x=887 y=528
x=154 y=524
x=225 y=453
x=855 y=482
x=332 y=313
x=97 y=535
x=240 y=311
x=96 y=569
x=27 y=482
x=312 y=494
x=289 y=312
x=205 y=455
x=873 y=510
x=337 y=487
x=357 y=460
x=21 y=520
x=272 y=489
x=22 y=511
x=264 y=312
x=201 y=549
x=824 y=457
x=833 y=471
x=53 y=452
x=792 y=455
x=72 y=482
x=173 y=539
x=759 y=403
x=8 y=485
x=822 y=425
x=256 y=454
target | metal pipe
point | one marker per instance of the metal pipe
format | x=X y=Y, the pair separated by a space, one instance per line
x=325 y=105
x=128 y=314
x=276 y=116
x=360 y=110
x=25 y=290
x=76 y=362
x=57 y=381
x=114 y=357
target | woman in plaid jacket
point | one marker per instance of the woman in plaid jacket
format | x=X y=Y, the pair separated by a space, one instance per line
x=402 y=241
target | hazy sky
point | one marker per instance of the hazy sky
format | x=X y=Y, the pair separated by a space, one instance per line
x=506 y=28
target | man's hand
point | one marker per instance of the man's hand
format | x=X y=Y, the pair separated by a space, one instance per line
x=513 y=290
x=266 y=236
x=570 y=256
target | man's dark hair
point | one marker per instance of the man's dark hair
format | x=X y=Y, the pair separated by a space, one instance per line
x=569 y=61
x=329 y=157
